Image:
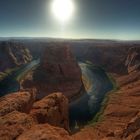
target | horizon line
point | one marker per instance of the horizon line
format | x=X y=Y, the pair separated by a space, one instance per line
x=68 y=38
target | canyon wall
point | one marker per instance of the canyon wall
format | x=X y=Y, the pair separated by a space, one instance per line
x=58 y=72
x=12 y=55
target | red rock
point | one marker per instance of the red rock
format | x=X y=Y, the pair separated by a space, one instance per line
x=10 y=132
x=17 y=118
x=13 y=54
x=52 y=109
x=44 y=132
x=137 y=135
x=133 y=126
x=20 y=101
x=14 y=124
x=58 y=72
x=133 y=59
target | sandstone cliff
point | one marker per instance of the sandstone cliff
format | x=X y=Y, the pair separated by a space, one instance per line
x=52 y=109
x=115 y=58
x=20 y=101
x=133 y=59
x=14 y=124
x=12 y=55
x=120 y=119
x=58 y=72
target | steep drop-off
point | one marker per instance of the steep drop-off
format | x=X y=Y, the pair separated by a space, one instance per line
x=58 y=72
x=120 y=119
x=12 y=55
x=20 y=115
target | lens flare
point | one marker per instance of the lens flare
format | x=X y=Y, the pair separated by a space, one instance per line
x=63 y=9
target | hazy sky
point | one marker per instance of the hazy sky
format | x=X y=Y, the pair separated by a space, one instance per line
x=117 y=19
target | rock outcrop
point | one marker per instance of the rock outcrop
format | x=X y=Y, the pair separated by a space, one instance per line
x=14 y=124
x=12 y=55
x=111 y=57
x=115 y=58
x=17 y=118
x=52 y=109
x=132 y=130
x=133 y=59
x=45 y=132
x=20 y=101
x=58 y=72
x=10 y=132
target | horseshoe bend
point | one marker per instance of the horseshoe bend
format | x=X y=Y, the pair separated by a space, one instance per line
x=69 y=90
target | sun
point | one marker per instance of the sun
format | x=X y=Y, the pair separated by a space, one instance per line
x=62 y=9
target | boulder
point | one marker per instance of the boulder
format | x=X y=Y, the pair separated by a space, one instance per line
x=21 y=101
x=52 y=109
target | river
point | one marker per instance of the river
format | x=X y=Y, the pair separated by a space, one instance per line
x=11 y=82
x=85 y=107
x=97 y=84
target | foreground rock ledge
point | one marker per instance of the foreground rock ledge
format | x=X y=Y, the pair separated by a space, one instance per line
x=52 y=109
x=45 y=132
x=20 y=101
x=17 y=118
x=14 y=124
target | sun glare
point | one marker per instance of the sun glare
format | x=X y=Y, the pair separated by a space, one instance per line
x=62 y=9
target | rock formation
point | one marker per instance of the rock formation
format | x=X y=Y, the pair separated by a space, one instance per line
x=20 y=101
x=13 y=124
x=132 y=130
x=111 y=57
x=133 y=59
x=52 y=109
x=17 y=118
x=45 y=132
x=58 y=72
x=10 y=132
x=12 y=55
x=115 y=58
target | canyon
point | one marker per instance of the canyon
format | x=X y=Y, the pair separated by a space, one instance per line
x=40 y=109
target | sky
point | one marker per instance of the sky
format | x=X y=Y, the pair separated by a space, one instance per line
x=102 y=19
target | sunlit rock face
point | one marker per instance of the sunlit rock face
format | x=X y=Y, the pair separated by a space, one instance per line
x=14 y=124
x=133 y=59
x=12 y=55
x=19 y=101
x=17 y=118
x=58 y=72
x=59 y=64
x=52 y=109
